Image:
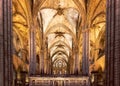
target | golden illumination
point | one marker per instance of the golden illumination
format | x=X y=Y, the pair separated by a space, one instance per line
x=59 y=26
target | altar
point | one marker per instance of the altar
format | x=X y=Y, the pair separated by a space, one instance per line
x=59 y=81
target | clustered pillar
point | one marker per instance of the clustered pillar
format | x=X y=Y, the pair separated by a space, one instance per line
x=113 y=43
x=85 y=57
x=32 y=70
x=6 y=76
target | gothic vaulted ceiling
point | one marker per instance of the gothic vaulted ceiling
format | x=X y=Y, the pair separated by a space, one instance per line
x=59 y=24
x=60 y=20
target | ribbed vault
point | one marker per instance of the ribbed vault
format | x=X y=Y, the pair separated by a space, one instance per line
x=53 y=31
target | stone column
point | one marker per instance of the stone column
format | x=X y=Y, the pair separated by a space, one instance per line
x=41 y=61
x=1 y=45
x=73 y=61
x=32 y=70
x=6 y=76
x=42 y=56
x=45 y=55
x=49 y=63
x=113 y=43
x=69 y=64
x=76 y=60
x=85 y=57
x=75 y=57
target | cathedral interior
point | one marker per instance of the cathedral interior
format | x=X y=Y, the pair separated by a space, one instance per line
x=59 y=43
x=59 y=38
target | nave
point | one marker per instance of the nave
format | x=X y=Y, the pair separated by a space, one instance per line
x=59 y=43
x=60 y=38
